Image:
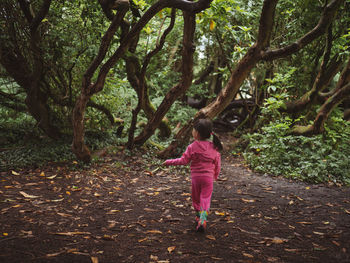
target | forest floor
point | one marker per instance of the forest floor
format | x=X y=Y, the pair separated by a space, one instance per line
x=123 y=209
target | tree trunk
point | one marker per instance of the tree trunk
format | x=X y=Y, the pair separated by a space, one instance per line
x=78 y=145
x=181 y=88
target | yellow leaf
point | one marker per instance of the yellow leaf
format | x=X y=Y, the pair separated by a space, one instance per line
x=5 y=234
x=94 y=259
x=318 y=233
x=220 y=213
x=14 y=173
x=67 y=192
x=210 y=237
x=171 y=249
x=347 y=211
x=27 y=195
x=248 y=200
x=277 y=240
x=142 y=240
x=42 y=174
x=248 y=255
x=154 y=232
x=97 y=194
x=212 y=25
x=75 y=162
x=113 y=212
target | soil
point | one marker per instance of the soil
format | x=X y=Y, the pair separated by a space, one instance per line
x=126 y=209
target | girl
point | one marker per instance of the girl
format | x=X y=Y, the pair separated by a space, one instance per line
x=205 y=167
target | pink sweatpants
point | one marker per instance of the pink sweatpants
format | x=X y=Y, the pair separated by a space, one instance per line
x=202 y=189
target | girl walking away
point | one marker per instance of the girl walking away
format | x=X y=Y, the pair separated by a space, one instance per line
x=205 y=166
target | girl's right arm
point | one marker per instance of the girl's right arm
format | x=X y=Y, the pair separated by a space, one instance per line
x=185 y=158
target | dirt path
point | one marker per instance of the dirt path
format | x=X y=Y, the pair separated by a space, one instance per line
x=121 y=211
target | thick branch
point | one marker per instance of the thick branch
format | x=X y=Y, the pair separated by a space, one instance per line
x=318 y=126
x=40 y=15
x=102 y=109
x=325 y=20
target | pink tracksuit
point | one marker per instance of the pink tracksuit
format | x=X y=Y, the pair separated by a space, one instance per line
x=205 y=167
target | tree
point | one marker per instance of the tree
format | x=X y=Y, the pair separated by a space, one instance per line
x=89 y=88
x=41 y=44
x=260 y=51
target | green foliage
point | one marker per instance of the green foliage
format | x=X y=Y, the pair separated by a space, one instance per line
x=318 y=159
x=24 y=145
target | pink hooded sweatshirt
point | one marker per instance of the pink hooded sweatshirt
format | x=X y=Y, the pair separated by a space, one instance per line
x=205 y=159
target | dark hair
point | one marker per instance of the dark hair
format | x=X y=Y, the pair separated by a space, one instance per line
x=205 y=127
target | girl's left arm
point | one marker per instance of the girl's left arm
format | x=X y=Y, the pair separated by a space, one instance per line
x=217 y=166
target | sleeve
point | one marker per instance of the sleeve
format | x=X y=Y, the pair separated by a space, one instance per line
x=185 y=158
x=217 y=166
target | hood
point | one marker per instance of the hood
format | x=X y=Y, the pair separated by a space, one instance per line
x=205 y=149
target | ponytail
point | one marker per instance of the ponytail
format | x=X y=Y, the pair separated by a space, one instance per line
x=217 y=142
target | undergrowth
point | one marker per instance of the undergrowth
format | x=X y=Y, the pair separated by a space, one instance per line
x=25 y=146
x=317 y=159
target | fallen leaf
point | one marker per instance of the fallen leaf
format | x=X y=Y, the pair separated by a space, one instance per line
x=248 y=200
x=291 y=249
x=318 y=247
x=247 y=255
x=210 y=237
x=171 y=249
x=336 y=243
x=299 y=198
x=304 y=223
x=220 y=213
x=72 y=233
x=153 y=257
x=278 y=240
x=14 y=173
x=63 y=214
x=51 y=177
x=318 y=233
x=113 y=212
x=27 y=195
x=154 y=232
x=42 y=174
x=94 y=259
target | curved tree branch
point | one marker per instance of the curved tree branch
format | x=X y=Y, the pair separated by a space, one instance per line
x=322 y=26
